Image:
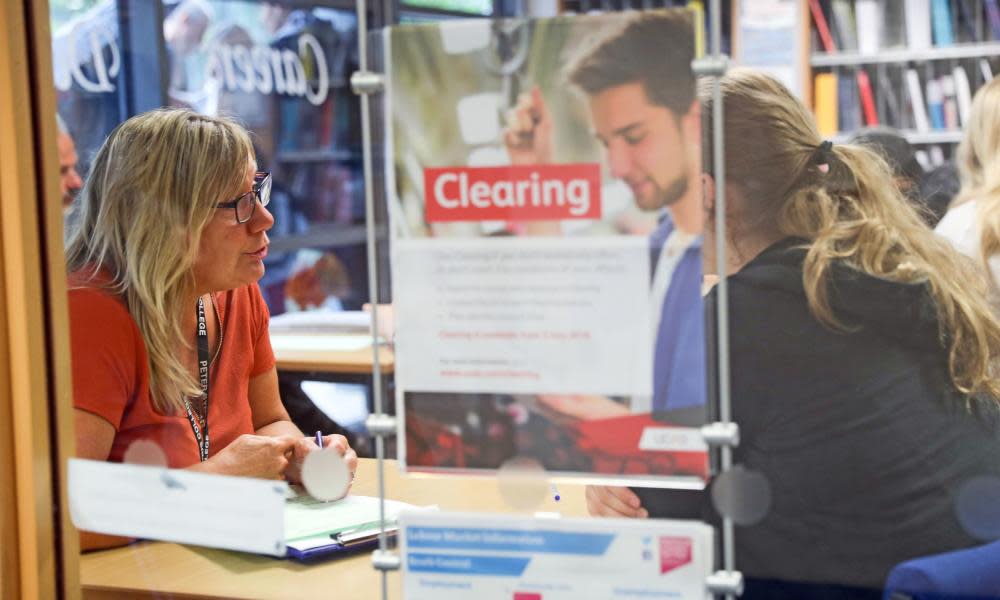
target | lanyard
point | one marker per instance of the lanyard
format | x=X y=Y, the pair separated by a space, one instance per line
x=200 y=428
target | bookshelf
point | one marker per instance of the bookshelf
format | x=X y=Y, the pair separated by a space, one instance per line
x=948 y=136
x=903 y=55
x=913 y=65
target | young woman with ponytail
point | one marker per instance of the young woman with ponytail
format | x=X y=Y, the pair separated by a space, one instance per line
x=863 y=360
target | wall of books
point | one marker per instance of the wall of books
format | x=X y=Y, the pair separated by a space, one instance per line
x=913 y=65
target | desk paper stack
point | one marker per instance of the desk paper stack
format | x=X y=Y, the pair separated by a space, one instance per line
x=322 y=321
x=314 y=527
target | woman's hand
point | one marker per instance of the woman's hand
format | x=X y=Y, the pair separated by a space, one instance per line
x=262 y=456
x=305 y=445
x=606 y=501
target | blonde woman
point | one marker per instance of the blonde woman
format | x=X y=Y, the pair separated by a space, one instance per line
x=972 y=223
x=863 y=359
x=169 y=331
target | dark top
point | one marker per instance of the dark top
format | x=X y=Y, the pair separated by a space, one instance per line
x=864 y=442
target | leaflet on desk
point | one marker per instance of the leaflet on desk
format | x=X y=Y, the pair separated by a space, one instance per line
x=452 y=556
x=217 y=511
x=312 y=523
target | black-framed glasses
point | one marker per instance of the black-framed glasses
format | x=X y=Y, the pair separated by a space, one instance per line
x=245 y=204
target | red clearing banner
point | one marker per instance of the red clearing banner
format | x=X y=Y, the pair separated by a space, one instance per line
x=521 y=193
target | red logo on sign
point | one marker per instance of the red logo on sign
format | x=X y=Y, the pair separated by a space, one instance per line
x=674 y=552
x=522 y=193
x=527 y=596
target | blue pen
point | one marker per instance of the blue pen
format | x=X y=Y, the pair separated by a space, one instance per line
x=319 y=439
x=555 y=492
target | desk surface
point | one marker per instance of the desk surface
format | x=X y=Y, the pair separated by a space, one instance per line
x=155 y=569
x=312 y=357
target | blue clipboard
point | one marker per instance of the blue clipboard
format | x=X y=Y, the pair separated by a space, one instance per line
x=341 y=544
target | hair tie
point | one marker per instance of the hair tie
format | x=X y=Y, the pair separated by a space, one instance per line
x=821 y=155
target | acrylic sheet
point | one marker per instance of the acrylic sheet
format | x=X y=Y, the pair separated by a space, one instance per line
x=546 y=224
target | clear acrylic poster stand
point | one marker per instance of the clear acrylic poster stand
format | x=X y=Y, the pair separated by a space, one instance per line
x=723 y=434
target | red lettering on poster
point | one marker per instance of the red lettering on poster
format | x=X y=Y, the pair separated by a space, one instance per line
x=521 y=193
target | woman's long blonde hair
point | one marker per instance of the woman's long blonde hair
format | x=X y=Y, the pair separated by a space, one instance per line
x=979 y=167
x=152 y=188
x=850 y=212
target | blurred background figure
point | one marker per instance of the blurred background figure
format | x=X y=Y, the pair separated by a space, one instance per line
x=319 y=280
x=70 y=181
x=972 y=224
x=938 y=188
x=183 y=32
x=894 y=148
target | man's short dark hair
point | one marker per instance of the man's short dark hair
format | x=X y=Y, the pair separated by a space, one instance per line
x=654 y=48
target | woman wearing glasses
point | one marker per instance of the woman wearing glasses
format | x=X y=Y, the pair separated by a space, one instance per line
x=169 y=332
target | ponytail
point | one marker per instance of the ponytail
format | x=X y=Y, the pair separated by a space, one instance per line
x=844 y=201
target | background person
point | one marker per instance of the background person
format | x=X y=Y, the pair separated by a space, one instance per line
x=898 y=153
x=171 y=242
x=972 y=224
x=70 y=181
x=863 y=359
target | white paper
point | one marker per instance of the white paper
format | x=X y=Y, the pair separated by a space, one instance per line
x=322 y=321
x=234 y=513
x=306 y=516
x=449 y=556
x=523 y=315
x=319 y=342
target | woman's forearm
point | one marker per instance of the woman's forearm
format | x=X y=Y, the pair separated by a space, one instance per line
x=279 y=428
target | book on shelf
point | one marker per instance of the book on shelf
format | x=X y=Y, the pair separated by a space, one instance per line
x=867 y=99
x=937 y=155
x=993 y=14
x=844 y=24
x=949 y=102
x=825 y=97
x=869 y=24
x=917 y=106
x=935 y=104
x=967 y=21
x=923 y=159
x=887 y=91
x=985 y=69
x=918 y=24
x=822 y=29
x=849 y=103
x=893 y=21
x=941 y=23
x=963 y=93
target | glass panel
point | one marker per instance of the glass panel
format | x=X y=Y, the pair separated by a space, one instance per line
x=283 y=72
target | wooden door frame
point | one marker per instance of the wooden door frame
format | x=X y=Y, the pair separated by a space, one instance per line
x=39 y=548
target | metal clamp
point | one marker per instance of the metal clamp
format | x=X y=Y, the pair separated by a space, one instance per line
x=725 y=583
x=383 y=560
x=382 y=425
x=721 y=434
x=367 y=82
x=710 y=66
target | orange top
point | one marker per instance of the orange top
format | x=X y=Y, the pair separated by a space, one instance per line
x=111 y=374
